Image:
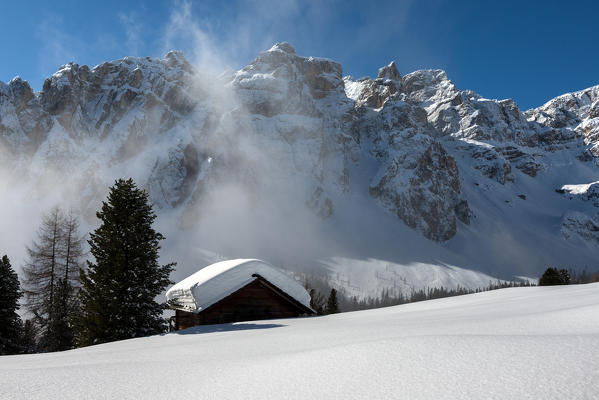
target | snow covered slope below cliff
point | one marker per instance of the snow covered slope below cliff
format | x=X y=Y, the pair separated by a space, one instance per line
x=524 y=343
x=369 y=278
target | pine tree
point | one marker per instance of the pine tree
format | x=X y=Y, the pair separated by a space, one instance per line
x=553 y=276
x=564 y=276
x=52 y=278
x=29 y=337
x=11 y=326
x=119 y=289
x=65 y=308
x=332 y=305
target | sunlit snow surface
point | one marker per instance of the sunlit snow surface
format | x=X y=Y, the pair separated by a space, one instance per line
x=370 y=277
x=518 y=343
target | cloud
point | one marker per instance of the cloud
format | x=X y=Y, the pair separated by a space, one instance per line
x=231 y=37
x=186 y=33
x=133 y=32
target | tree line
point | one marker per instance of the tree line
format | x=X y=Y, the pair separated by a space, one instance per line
x=73 y=302
x=318 y=285
x=387 y=299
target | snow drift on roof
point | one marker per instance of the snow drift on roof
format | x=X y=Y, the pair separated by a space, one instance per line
x=217 y=281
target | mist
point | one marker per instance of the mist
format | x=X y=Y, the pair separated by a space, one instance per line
x=248 y=201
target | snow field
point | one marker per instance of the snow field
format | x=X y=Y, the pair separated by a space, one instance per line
x=520 y=343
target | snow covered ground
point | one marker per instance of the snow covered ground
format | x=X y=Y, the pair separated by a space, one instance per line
x=517 y=343
x=369 y=277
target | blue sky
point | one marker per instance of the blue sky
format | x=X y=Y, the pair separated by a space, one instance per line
x=526 y=50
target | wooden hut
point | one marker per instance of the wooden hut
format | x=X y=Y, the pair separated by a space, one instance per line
x=234 y=291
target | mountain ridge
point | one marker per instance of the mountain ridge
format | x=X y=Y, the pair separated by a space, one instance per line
x=288 y=144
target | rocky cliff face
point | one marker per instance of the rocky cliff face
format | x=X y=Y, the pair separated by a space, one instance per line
x=86 y=102
x=443 y=161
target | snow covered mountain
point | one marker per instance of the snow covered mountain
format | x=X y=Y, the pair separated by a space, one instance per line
x=288 y=160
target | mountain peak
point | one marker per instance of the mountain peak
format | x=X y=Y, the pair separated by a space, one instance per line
x=16 y=80
x=176 y=56
x=389 y=72
x=283 y=46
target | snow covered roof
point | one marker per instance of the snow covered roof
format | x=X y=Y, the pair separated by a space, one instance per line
x=217 y=281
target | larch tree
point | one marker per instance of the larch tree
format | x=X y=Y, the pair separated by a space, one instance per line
x=317 y=302
x=41 y=270
x=66 y=304
x=52 y=277
x=11 y=326
x=119 y=289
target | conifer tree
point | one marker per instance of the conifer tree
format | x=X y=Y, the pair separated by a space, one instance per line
x=10 y=323
x=52 y=278
x=71 y=253
x=29 y=337
x=119 y=289
x=564 y=276
x=41 y=270
x=553 y=276
x=332 y=304
x=66 y=305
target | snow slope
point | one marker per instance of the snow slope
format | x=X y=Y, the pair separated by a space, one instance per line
x=369 y=278
x=518 y=343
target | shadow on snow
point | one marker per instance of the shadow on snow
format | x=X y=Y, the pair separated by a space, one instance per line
x=225 y=328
